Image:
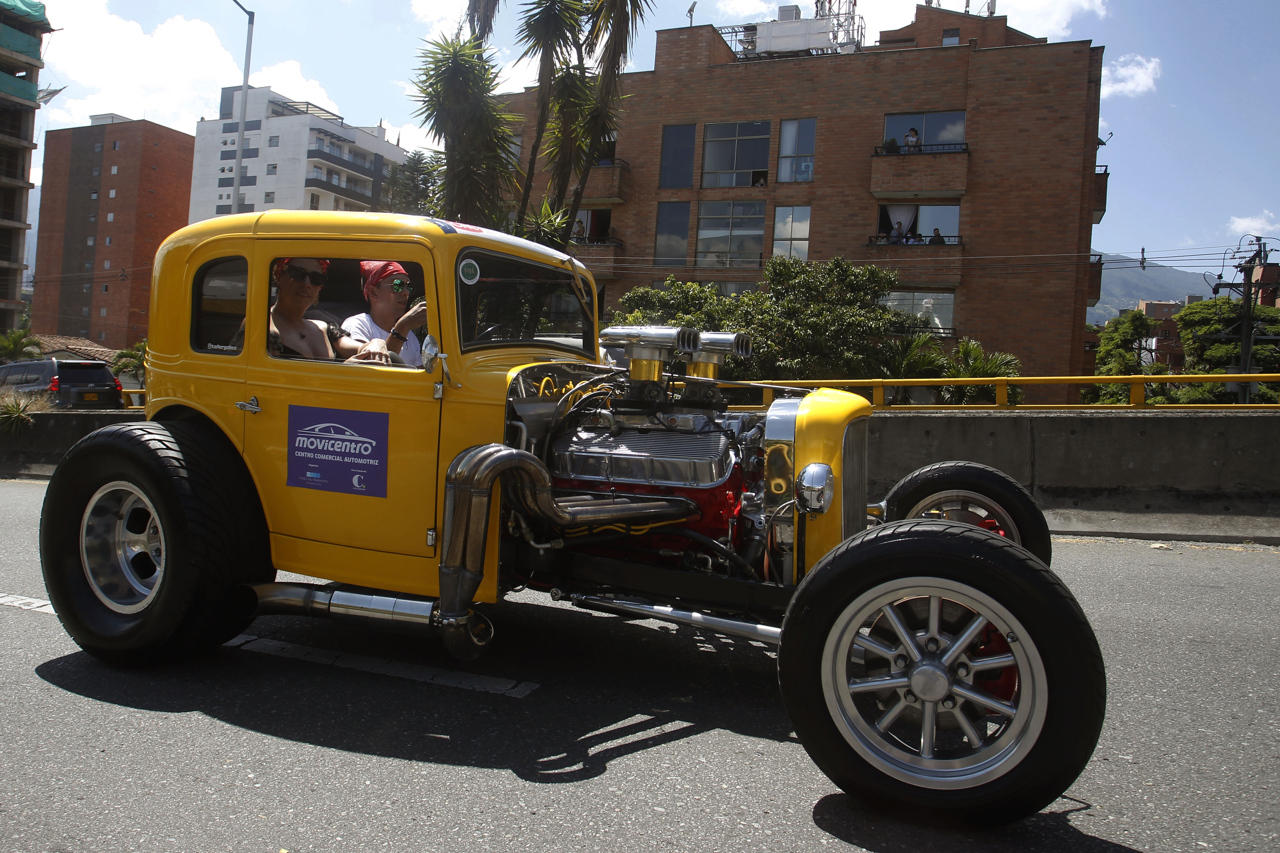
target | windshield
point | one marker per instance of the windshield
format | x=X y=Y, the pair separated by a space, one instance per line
x=507 y=301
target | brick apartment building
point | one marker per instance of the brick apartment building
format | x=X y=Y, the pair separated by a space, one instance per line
x=728 y=154
x=112 y=192
x=22 y=26
x=1165 y=345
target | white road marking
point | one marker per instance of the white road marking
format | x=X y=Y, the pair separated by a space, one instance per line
x=363 y=663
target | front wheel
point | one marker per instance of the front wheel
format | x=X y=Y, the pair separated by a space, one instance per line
x=940 y=666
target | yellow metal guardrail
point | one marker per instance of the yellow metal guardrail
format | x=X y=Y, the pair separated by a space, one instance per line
x=1137 y=390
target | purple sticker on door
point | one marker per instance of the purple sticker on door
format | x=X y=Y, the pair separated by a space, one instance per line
x=336 y=450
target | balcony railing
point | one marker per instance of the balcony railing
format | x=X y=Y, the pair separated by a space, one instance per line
x=936 y=148
x=921 y=242
x=607 y=183
x=1100 y=178
x=363 y=167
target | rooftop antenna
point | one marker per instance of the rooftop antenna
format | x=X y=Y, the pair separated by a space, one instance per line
x=692 y=6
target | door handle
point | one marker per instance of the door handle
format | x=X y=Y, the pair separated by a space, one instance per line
x=251 y=407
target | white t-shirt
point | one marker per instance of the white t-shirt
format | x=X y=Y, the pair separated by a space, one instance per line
x=362 y=328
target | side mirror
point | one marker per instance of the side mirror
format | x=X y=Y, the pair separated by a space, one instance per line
x=430 y=352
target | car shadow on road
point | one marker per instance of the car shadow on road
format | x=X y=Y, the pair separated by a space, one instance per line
x=608 y=688
x=879 y=830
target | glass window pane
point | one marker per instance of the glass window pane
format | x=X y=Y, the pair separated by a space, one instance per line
x=753 y=154
x=677 y=156
x=805 y=137
x=944 y=128
x=722 y=131
x=896 y=126
x=787 y=139
x=804 y=168
x=800 y=222
x=748 y=208
x=753 y=128
x=946 y=218
x=782 y=223
x=719 y=156
x=800 y=250
x=786 y=169
x=782 y=247
x=672 y=242
x=715 y=208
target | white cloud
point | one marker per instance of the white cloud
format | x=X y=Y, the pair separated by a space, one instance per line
x=286 y=78
x=442 y=17
x=412 y=138
x=515 y=75
x=172 y=76
x=1262 y=225
x=1130 y=75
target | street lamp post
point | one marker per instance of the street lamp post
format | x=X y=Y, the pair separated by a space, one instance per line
x=244 y=103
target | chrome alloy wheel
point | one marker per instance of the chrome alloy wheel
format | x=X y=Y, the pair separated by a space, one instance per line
x=934 y=683
x=970 y=508
x=122 y=547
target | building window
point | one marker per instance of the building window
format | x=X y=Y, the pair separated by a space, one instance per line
x=111 y=217
x=102 y=312
x=106 y=265
x=946 y=129
x=950 y=37
x=111 y=193
x=93 y=196
x=97 y=148
x=919 y=221
x=273 y=142
x=84 y=311
x=934 y=310
x=102 y=336
x=269 y=198
x=93 y=217
x=271 y=168
x=677 y=156
x=315 y=201
x=96 y=171
x=795 y=150
x=730 y=233
x=88 y=265
x=115 y=169
x=115 y=146
x=671 y=247
x=104 y=288
x=108 y=241
x=89 y=241
x=791 y=232
x=736 y=154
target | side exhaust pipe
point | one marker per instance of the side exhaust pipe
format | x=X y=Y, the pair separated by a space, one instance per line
x=719 y=624
x=372 y=608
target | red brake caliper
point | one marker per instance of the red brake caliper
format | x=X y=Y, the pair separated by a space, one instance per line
x=1000 y=683
x=992 y=525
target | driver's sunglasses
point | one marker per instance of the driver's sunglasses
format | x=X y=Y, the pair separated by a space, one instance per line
x=399 y=285
x=316 y=277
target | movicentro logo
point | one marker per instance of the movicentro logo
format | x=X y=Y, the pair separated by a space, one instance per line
x=333 y=438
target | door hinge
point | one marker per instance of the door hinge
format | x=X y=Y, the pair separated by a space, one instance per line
x=431 y=537
x=439 y=392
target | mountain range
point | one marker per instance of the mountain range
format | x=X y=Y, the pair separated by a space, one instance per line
x=1124 y=283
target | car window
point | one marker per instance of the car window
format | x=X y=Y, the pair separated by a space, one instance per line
x=4 y=372
x=85 y=374
x=330 y=292
x=218 y=306
x=506 y=301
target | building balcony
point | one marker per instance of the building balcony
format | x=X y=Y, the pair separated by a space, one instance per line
x=600 y=258
x=364 y=169
x=27 y=46
x=920 y=264
x=340 y=189
x=245 y=181
x=1100 y=176
x=925 y=171
x=10 y=141
x=1094 y=291
x=7 y=182
x=608 y=183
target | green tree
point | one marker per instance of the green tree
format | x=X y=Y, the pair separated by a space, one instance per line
x=1200 y=324
x=816 y=320
x=18 y=343
x=456 y=84
x=414 y=187
x=133 y=361
x=1121 y=352
x=915 y=355
x=970 y=361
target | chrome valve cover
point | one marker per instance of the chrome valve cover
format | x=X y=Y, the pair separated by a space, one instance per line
x=653 y=456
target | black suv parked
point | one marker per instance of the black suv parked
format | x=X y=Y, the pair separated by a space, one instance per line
x=70 y=384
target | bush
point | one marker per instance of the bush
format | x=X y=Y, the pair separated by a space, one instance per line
x=16 y=410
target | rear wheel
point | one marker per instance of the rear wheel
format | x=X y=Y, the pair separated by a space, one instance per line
x=146 y=534
x=974 y=494
x=940 y=666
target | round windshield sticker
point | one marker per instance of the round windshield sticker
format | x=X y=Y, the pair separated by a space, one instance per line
x=469 y=271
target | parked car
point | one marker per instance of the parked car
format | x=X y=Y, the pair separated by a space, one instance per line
x=70 y=384
x=934 y=659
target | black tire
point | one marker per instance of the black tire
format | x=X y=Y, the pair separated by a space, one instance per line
x=974 y=494
x=147 y=533
x=1051 y=683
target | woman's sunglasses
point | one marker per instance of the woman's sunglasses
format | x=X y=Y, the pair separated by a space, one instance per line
x=317 y=278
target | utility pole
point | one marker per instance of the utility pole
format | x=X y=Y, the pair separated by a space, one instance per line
x=1256 y=261
x=244 y=104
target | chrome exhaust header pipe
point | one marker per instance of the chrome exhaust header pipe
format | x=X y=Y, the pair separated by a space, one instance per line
x=649 y=348
x=706 y=362
x=719 y=624
x=369 y=607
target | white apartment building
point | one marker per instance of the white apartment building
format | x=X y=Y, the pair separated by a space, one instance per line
x=297 y=156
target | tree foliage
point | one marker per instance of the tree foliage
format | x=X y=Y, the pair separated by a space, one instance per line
x=133 y=361
x=1200 y=323
x=18 y=343
x=415 y=187
x=971 y=361
x=1121 y=352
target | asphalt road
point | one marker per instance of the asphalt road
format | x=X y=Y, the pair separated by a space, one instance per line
x=587 y=732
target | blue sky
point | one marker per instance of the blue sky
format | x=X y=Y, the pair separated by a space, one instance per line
x=1189 y=93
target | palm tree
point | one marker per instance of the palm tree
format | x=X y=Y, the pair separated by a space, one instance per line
x=548 y=30
x=912 y=356
x=456 y=85
x=480 y=15
x=133 y=361
x=18 y=343
x=970 y=360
